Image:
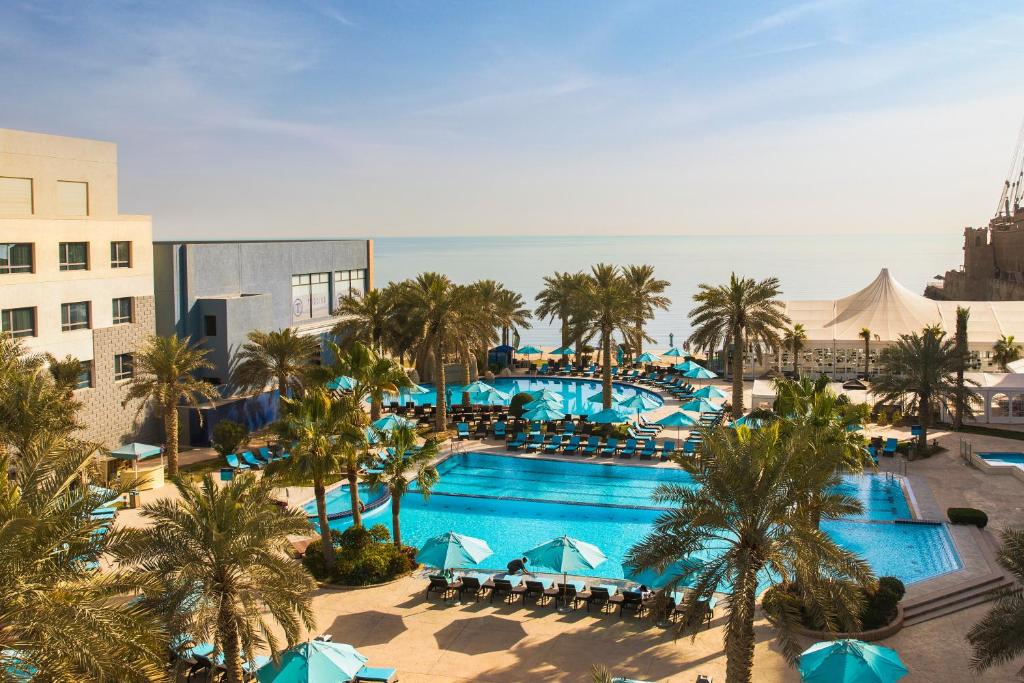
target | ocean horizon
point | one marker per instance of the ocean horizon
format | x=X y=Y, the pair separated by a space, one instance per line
x=808 y=266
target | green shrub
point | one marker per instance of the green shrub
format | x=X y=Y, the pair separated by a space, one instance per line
x=967 y=516
x=362 y=556
x=515 y=406
x=229 y=436
x=313 y=558
x=880 y=607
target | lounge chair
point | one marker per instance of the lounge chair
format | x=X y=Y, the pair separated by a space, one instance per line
x=503 y=589
x=648 y=450
x=595 y=596
x=440 y=585
x=573 y=445
x=376 y=674
x=535 y=590
x=463 y=430
x=668 y=449
x=610 y=446
x=470 y=585
x=499 y=430
x=554 y=445
x=543 y=370
x=632 y=601
x=517 y=442
x=568 y=429
x=481 y=429
x=593 y=443
x=251 y=460
x=629 y=450
x=562 y=594
x=536 y=441
x=235 y=463
x=891 y=444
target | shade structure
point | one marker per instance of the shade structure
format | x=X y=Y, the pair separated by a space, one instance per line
x=313 y=661
x=416 y=389
x=476 y=387
x=639 y=401
x=748 y=422
x=528 y=350
x=685 y=366
x=699 y=372
x=450 y=550
x=544 y=412
x=565 y=554
x=490 y=396
x=678 y=419
x=673 y=353
x=538 y=402
x=710 y=391
x=563 y=351
x=648 y=357
x=681 y=573
x=701 y=405
x=608 y=416
x=342 y=383
x=390 y=422
x=135 y=451
x=850 y=661
x=598 y=397
x=545 y=394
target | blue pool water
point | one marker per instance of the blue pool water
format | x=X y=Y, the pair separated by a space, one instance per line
x=339 y=503
x=575 y=393
x=1004 y=459
x=517 y=503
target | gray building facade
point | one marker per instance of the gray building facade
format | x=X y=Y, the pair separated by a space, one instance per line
x=217 y=292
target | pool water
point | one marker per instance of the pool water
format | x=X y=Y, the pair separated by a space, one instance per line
x=575 y=393
x=1004 y=459
x=339 y=503
x=517 y=503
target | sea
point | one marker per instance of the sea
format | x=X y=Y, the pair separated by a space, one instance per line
x=808 y=267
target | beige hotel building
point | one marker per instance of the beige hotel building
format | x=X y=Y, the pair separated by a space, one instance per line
x=76 y=276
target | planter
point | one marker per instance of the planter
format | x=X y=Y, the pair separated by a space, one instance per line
x=871 y=636
x=342 y=587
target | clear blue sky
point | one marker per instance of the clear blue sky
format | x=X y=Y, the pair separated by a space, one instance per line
x=376 y=118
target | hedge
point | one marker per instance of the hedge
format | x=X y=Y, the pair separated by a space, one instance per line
x=967 y=516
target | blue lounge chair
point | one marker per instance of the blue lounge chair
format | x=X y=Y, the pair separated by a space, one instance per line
x=463 y=430
x=263 y=453
x=499 y=430
x=593 y=443
x=235 y=463
x=628 y=450
x=573 y=445
x=668 y=449
x=690 y=446
x=535 y=427
x=543 y=369
x=891 y=444
x=873 y=452
x=251 y=460
x=517 y=442
x=553 y=445
x=610 y=446
x=568 y=429
x=536 y=441
x=376 y=674
x=649 y=448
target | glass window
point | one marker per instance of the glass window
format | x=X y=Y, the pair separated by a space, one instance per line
x=120 y=254
x=74 y=255
x=15 y=258
x=20 y=322
x=74 y=316
x=122 y=310
x=124 y=364
x=311 y=296
x=210 y=325
x=72 y=198
x=85 y=377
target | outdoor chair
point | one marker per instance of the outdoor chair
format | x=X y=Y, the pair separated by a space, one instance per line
x=376 y=674
x=593 y=443
x=629 y=450
x=536 y=441
x=649 y=449
x=668 y=449
x=463 y=430
x=562 y=594
x=535 y=590
x=573 y=445
x=470 y=585
x=554 y=445
x=598 y=597
x=503 y=589
x=440 y=585
x=251 y=461
x=632 y=601
x=499 y=430
x=891 y=444
x=517 y=442
x=481 y=429
x=610 y=446
x=234 y=463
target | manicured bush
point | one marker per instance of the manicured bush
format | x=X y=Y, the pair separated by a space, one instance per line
x=313 y=558
x=881 y=606
x=362 y=556
x=229 y=436
x=967 y=516
x=515 y=406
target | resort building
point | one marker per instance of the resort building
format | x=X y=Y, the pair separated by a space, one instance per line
x=76 y=276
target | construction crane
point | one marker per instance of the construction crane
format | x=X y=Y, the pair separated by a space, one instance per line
x=1013 y=186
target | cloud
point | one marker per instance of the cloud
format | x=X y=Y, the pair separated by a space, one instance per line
x=790 y=15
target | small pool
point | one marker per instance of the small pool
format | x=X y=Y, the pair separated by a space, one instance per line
x=339 y=504
x=1003 y=459
x=517 y=503
x=575 y=393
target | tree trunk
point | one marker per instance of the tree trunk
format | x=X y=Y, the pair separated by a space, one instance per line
x=441 y=419
x=960 y=401
x=924 y=413
x=796 y=362
x=739 y=648
x=325 y=527
x=639 y=336
x=565 y=331
x=469 y=378
x=375 y=407
x=867 y=357
x=396 y=524
x=606 y=369
x=353 y=492
x=171 y=438
x=228 y=632
x=737 y=374
x=282 y=393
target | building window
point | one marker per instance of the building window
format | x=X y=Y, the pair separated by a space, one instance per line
x=124 y=364
x=122 y=310
x=311 y=296
x=348 y=282
x=85 y=377
x=120 y=254
x=15 y=258
x=19 y=322
x=74 y=255
x=74 y=316
x=210 y=325
x=16 y=196
x=72 y=198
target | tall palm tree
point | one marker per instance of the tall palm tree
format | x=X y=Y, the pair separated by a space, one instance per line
x=65 y=371
x=375 y=376
x=795 y=339
x=963 y=315
x=999 y=636
x=164 y=375
x=318 y=428
x=608 y=308
x=510 y=312
x=282 y=358
x=865 y=334
x=648 y=296
x=401 y=465
x=744 y=313
x=744 y=506
x=58 y=616
x=558 y=300
x=221 y=556
x=1005 y=351
x=365 y=318
x=34 y=406
x=921 y=369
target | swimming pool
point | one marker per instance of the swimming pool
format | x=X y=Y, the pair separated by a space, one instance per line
x=1004 y=459
x=517 y=503
x=575 y=393
x=339 y=504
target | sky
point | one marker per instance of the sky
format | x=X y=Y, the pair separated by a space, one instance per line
x=327 y=118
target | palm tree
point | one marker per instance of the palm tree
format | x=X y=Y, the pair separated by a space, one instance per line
x=375 y=376
x=795 y=338
x=509 y=310
x=648 y=296
x=283 y=358
x=999 y=636
x=922 y=368
x=34 y=406
x=365 y=318
x=318 y=427
x=402 y=464
x=865 y=334
x=607 y=307
x=744 y=506
x=743 y=313
x=963 y=315
x=58 y=615
x=164 y=374
x=65 y=371
x=1005 y=351
x=221 y=556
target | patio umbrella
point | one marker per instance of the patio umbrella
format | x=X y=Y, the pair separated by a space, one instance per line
x=544 y=413
x=451 y=550
x=416 y=389
x=563 y=351
x=391 y=421
x=710 y=391
x=701 y=405
x=490 y=397
x=545 y=394
x=683 y=569
x=673 y=353
x=314 y=660
x=648 y=357
x=699 y=372
x=599 y=397
x=529 y=350
x=850 y=661
x=685 y=366
x=476 y=387
x=342 y=383
x=135 y=452
x=538 y=402
x=678 y=420
x=564 y=554
x=608 y=416
x=749 y=422
x=640 y=402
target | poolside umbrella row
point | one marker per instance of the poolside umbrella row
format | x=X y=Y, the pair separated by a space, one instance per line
x=678 y=419
x=451 y=550
x=565 y=554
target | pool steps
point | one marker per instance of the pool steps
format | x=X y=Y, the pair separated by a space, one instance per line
x=942 y=602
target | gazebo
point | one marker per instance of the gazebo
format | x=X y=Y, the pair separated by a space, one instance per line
x=150 y=474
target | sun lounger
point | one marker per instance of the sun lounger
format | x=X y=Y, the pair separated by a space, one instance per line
x=535 y=590
x=629 y=450
x=543 y=369
x=251 y=461
x=562 y=594
x=470 y=585
x=440 y=585
x=631 y=601
x=264 y=453
x=463 y=430
x=517 y=442
x=596 y=596
x=891 y=444
x=554 y=445
x=376 y=674
x=234 y=463
x=503 y=588
x=593 y=443
x=648 y=450
x=573 y=445
x=536 y=441
x=610 y=446
x=499 y=430
x=668 y=449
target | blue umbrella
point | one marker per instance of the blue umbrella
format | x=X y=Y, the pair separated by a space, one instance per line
x=343 y=383
x=685 y=366
x=647 y=357
x=640 y=401
x=673 y=353
x=749 y=422
x=529 y=350
x=701 y=405
x=850 y=661
x=544 y=413
x=314 y=660
x=678 y=420
x=564 y=555
x=563 y=351
x=476 y=387
x=599 y=397
x=538 y=402
x=608 y=416
x=390 y=422
x=699 y=372
x=450 y=550
x=490 y=396
x=135 y=451
x=710 y=391
x=680 y=572
x=545 y=394
x=416 y=389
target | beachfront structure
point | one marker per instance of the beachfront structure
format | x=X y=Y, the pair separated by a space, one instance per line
x=76 y=276
x=888 y=309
